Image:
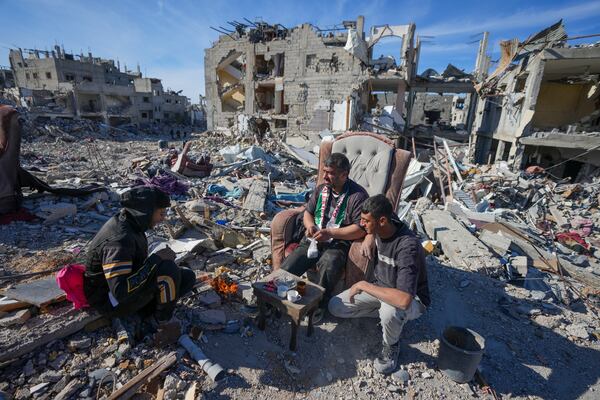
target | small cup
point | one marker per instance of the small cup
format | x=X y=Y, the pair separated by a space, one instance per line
x=293 y=296
x=301 y=287
x=282 y=291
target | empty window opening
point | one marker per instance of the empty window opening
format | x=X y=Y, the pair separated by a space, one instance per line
x=432 y=116
x=265 y=97
x=520 y=84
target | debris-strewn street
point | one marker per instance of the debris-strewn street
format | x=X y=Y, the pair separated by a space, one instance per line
x=496 y=172
x=539 y=324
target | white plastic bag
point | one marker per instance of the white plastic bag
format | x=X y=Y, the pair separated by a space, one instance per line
x=313 y=251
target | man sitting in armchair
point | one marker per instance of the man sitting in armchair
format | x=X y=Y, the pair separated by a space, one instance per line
x=332 y=219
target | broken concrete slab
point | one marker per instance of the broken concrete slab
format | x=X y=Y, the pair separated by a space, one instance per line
x=257 y=195
x=462 y=248
x=44 y=329
x=39 y=293
x=497 y=242
x=212 y=316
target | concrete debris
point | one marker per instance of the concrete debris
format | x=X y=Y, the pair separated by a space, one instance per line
x=17 y=317
x=458 y=244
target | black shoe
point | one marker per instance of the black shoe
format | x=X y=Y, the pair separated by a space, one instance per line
x=387 y=362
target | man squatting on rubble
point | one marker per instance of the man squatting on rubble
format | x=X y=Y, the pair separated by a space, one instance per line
x=399 y=290
x=120 y=279
x=332 y=218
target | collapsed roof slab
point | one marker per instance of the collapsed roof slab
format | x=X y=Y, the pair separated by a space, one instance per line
x=563 y=140
x=443 y=87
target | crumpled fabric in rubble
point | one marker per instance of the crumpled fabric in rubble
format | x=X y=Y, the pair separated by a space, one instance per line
x=167 y=183
x=222 y=191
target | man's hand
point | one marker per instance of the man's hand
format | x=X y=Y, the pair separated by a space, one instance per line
x=323 y=235
x=310 y=232
x=166 y=254
x=354 y=290
x=368 y=246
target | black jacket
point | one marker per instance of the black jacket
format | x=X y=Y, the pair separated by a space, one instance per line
x=117 y=257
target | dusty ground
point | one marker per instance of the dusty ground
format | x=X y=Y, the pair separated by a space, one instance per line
x=530 y=348
x=523 y=358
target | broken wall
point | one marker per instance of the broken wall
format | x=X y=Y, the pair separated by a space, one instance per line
x=560 y=104
x=431 y=108
x=313 y=72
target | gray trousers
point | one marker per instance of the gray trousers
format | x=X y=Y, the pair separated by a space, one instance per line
x=392 y=318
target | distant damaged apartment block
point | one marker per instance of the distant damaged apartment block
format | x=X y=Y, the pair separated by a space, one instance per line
x=304 y=78
x=541 y=106
x=58 y=84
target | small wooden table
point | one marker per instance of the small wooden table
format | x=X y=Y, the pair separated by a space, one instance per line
x=296 y=311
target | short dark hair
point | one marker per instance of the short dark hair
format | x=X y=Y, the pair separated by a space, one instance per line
x=338 y=161
x=378 y=206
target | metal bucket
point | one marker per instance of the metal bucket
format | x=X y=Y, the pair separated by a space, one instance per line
x=460 y=352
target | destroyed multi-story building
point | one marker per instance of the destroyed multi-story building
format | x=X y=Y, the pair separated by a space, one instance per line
x=59 y=84
x=308 y=79
x=197 y=113
x=541 y=106
x=304 y=78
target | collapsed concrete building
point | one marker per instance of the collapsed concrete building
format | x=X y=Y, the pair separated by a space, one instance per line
x=304 y=78
x=58 y=84
x=541 y=106
x=308 y=79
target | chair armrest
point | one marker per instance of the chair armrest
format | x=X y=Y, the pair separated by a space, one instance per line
x=282 y=229
x=356 y=265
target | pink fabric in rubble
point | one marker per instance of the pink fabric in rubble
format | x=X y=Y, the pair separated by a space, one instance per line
x=70 y=279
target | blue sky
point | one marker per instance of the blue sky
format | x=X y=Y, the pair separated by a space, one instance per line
x=168 y=37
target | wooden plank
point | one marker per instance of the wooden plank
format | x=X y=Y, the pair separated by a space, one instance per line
x=190 y=394
x=131 y=387
x=58 y=327
x=453 y=162
x=39 y=293
x=7 y=304
x=257 y=195
x=462 y=248
x=541 y=258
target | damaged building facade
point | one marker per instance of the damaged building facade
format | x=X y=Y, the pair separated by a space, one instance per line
x=58 y=84
x=541 y=106
x=304 y=78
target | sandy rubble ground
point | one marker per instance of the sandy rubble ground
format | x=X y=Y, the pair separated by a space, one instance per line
x=531 y=351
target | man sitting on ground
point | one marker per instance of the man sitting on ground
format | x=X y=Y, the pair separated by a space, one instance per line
x=399 y=291
x=332 y=218
x=120 y=279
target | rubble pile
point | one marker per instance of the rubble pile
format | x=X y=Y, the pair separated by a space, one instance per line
x=523 y=243
x=538 y=233
x=214 y=225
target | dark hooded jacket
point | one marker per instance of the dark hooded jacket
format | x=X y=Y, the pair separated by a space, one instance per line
x=117 y=257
